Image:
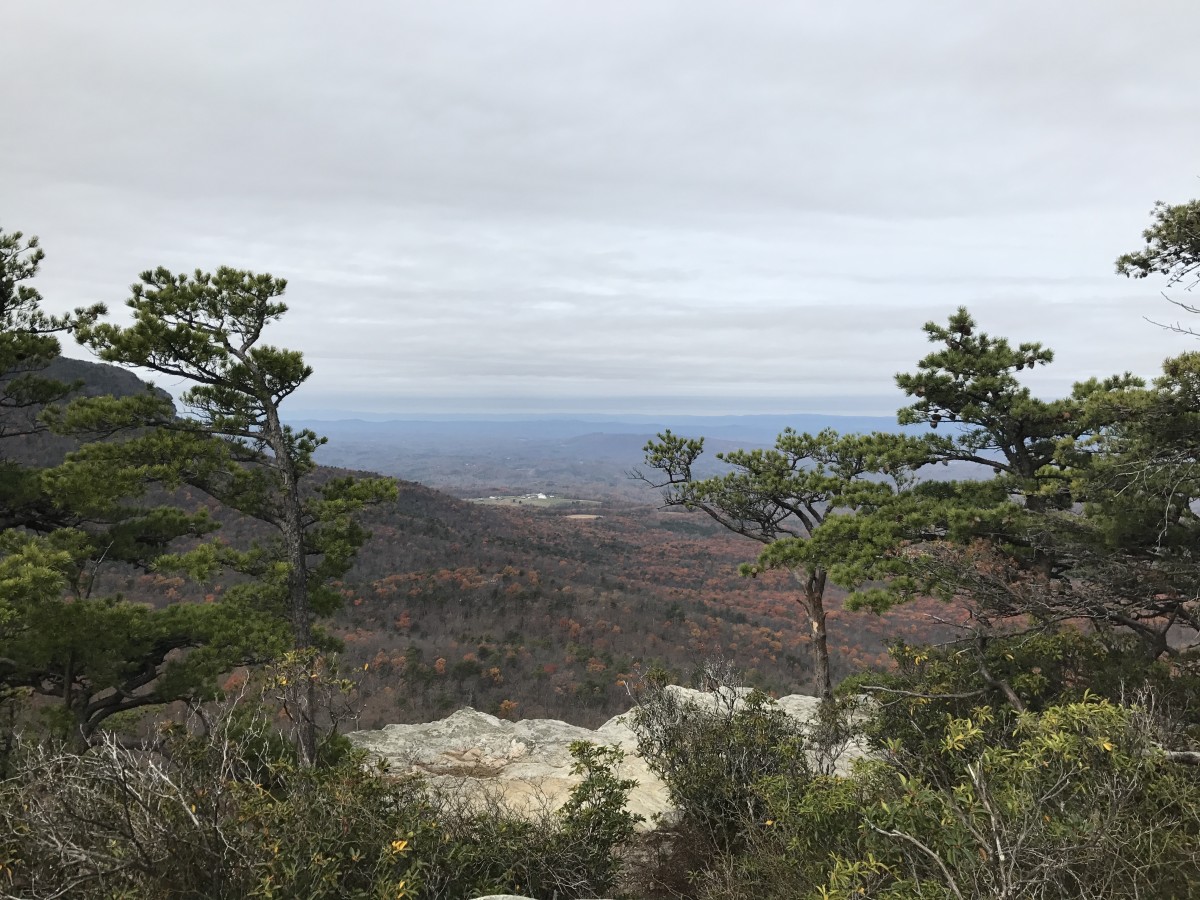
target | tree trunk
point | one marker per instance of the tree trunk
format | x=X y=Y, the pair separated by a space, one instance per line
x=814 y=603
x=301 y=620
x=78 y=736
x=299 y=612
x=815 y=594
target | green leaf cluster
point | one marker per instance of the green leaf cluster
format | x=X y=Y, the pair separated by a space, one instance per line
x=1074 y=801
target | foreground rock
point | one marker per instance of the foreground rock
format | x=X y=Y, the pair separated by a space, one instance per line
x=526 y=765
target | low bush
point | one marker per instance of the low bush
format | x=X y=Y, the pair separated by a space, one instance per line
x=1074 y=802
x=711 y=759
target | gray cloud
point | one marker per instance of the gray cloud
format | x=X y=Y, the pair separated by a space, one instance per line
x=539 y=205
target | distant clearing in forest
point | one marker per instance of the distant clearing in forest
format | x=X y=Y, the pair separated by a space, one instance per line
x=537 y=500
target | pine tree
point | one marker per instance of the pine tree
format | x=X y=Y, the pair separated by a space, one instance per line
x=234 y=444
x=808 y=499
x=62 y=635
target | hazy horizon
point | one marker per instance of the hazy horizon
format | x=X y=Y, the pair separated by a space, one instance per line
x=632 y=409
x=539 y=206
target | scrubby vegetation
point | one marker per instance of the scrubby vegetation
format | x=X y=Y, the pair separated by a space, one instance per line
x=219 y=805
x=956 y=798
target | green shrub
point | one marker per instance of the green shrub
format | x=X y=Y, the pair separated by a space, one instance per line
x=567 y=854
x=205 y=815
x=1073 y=802
x=1045 y=669
x=711 y=760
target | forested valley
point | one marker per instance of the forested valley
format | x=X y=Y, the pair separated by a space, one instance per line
x=193 y=611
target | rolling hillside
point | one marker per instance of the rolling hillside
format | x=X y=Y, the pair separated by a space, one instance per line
x=527 y=611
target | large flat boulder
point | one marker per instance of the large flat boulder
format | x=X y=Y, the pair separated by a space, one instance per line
x=526 y=764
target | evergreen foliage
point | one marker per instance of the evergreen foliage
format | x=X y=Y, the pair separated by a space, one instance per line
x=96 y=653
x=796 y=499
x=28 y=341
x=208 y=328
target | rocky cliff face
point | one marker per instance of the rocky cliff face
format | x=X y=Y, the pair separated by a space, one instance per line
x=527 y=764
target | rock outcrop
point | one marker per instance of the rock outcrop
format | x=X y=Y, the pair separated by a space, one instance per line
x=527 y=764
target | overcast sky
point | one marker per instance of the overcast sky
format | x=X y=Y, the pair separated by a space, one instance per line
x=619 y=206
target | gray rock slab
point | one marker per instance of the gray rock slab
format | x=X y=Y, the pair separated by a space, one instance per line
x=526 y=765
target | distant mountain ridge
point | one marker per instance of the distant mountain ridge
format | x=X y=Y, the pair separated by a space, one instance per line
x=750 y=428
x=583 y=455
x=99 y=379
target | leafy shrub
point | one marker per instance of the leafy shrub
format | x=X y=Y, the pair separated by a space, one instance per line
x=1044 y=668
x=203 y=814
x=1073 y=802
x=565 y=854
x=711 y=760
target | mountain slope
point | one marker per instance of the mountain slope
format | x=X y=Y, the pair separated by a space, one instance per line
x=527 y=611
